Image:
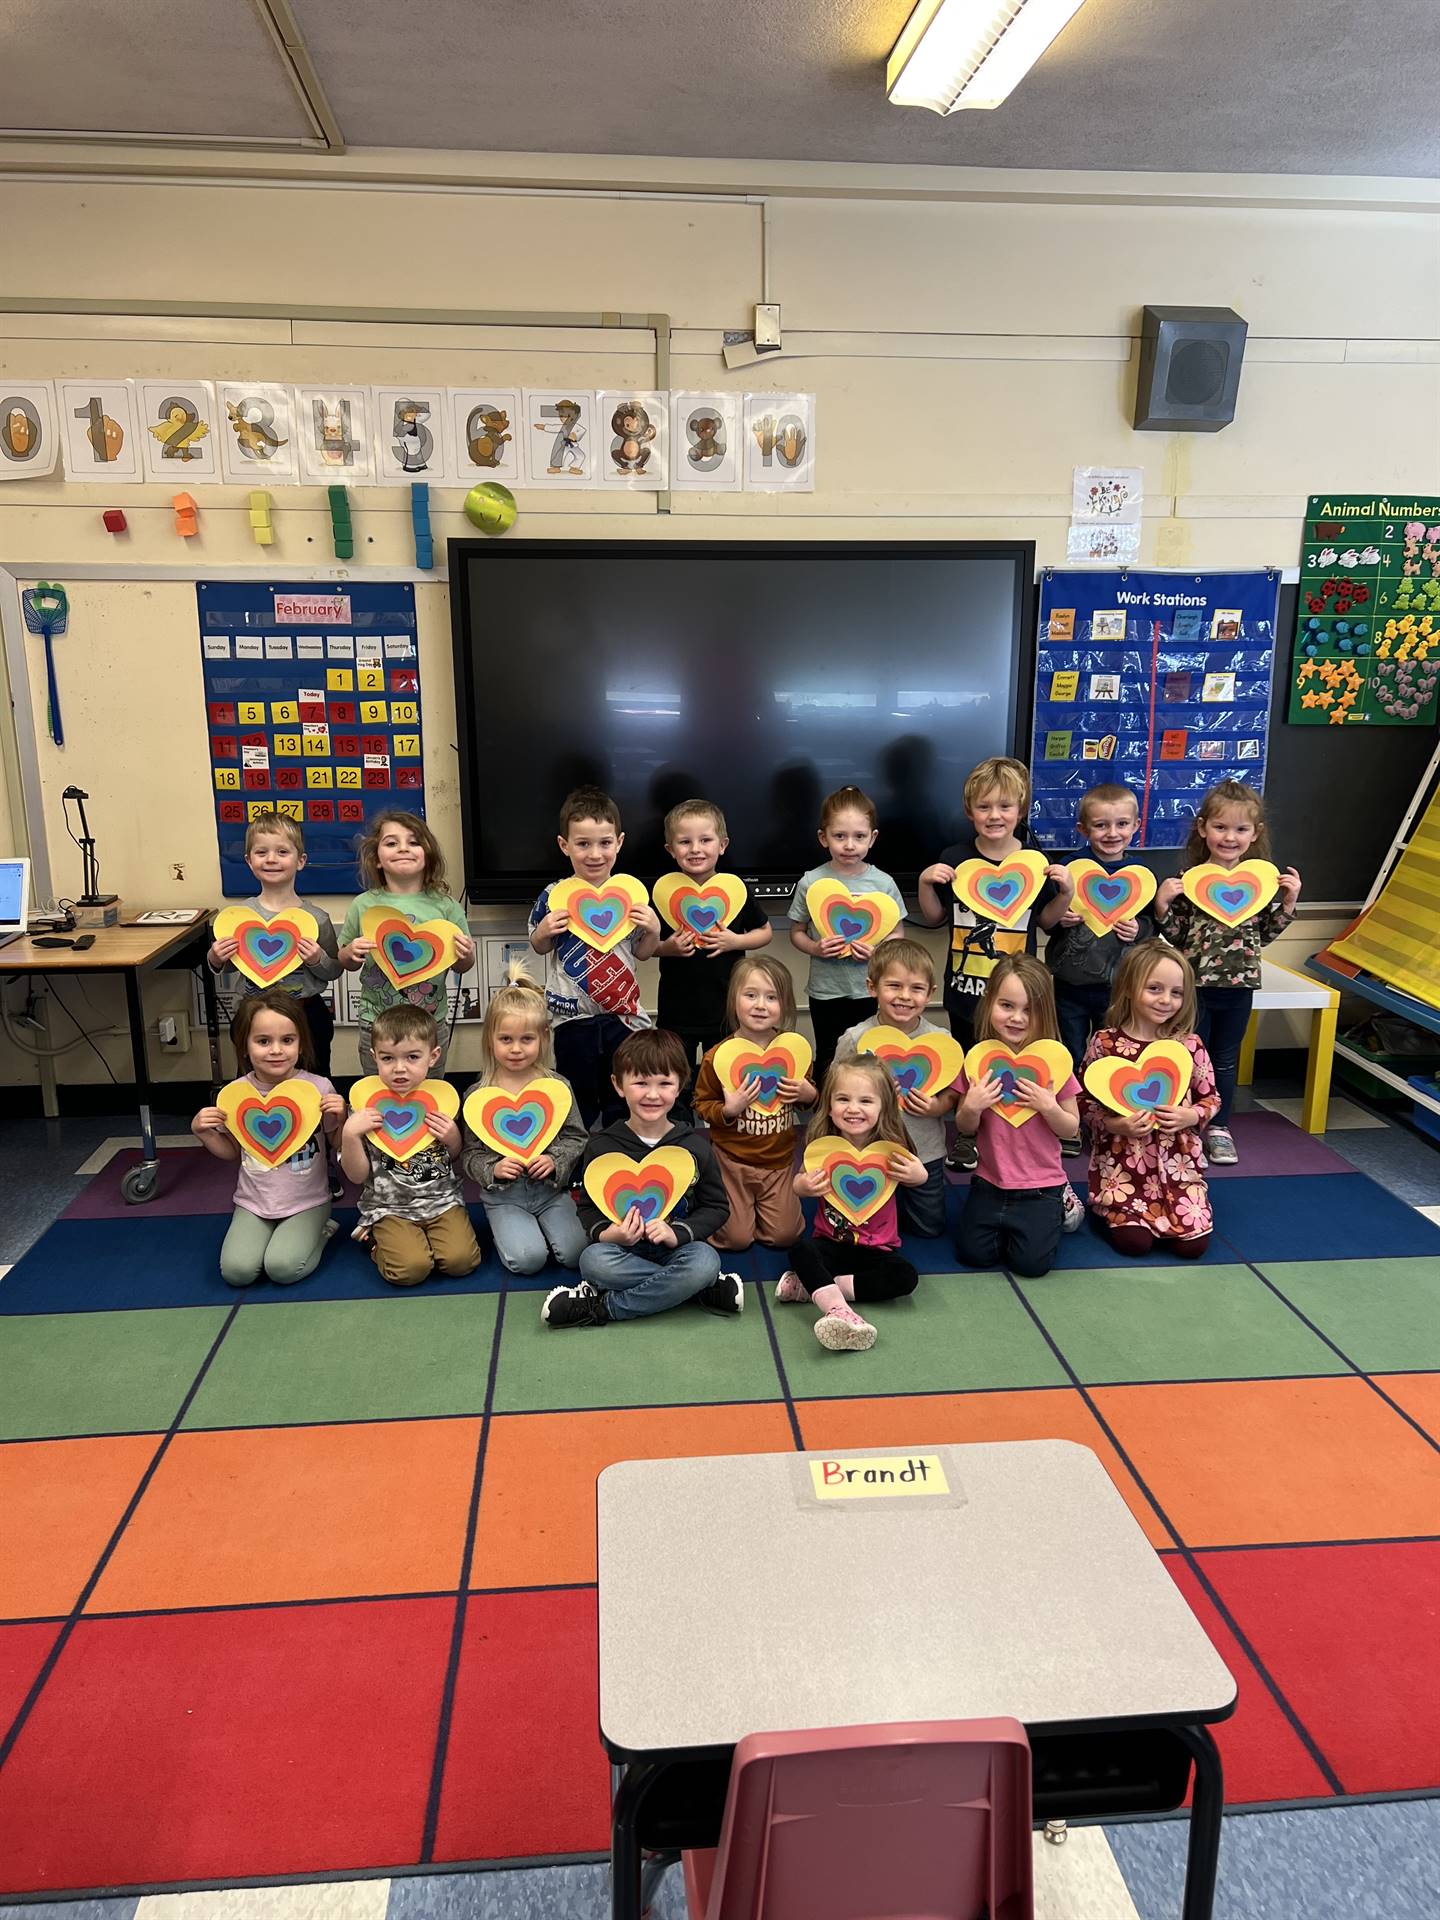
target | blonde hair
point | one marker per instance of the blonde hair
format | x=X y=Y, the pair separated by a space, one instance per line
x=898 y=952
x=433 y=878
x=521 y=999
x=1107 y=794
x=1039 y=995
x=848 y=800
x=891 y=1124
x=779 y=976
x=695 y=810
x=999 y=773
x=276 y=823
x=1129 y=983
x=1227 y=793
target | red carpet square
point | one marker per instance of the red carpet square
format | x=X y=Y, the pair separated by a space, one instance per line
x=1352 y=1638
x=528 y=1663
x=196 y=1746
x=22 y=1654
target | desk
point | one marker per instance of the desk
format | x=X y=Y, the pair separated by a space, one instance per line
x=732 y=1601
x=1280 y=987
x=128 y=951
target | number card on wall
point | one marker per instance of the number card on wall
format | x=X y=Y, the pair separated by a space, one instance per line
x=312 y=707
x=29 y=436
x=1159 y=682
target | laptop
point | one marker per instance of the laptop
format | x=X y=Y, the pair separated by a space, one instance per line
x=14 y=899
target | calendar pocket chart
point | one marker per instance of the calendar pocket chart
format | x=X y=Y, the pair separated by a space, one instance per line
x=312 y=709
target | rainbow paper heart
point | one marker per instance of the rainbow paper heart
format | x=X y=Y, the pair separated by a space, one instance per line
x=739 y=1061
x=841 y=914
x=1231 y=895
x=698 y=906
x=518 y=1126
x=600 y=916
x=1104 y=899
x=860 y=1178
x=270 y=1126
x=1159 y=1076
x=409 y=953
x=403 y=1128
x=653 y=1186
x=917 y=1063
x=1003 y=891
x=268 y=949
x=1043 y=1061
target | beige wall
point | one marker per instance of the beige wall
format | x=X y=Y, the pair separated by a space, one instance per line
x=966 y=353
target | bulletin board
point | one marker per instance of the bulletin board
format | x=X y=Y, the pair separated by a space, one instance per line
x=312 y=704
x=1157 y=681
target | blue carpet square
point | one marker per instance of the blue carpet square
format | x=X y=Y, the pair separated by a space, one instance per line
x=1317 y=1218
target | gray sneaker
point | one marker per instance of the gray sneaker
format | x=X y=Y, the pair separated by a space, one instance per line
x=1072 y=1211
x=1219 y=1145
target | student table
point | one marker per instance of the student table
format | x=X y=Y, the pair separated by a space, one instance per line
x=735 y=1599
x=1283 y=988
x=128 y=951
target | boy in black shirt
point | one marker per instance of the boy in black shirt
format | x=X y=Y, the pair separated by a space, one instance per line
x=695 y=973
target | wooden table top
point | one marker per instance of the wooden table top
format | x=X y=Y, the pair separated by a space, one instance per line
x=116 y=950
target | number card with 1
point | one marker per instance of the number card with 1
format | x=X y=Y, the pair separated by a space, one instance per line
x=705 y=439
x=98 y=421
x=485 y=434
x=409 y=434
x=257 y=445
x=29 y=430
x=635 y=430
x=179 y=435
x=780 y=443
x=332 y=432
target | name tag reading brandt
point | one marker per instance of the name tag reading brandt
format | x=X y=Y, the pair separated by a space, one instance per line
x=892 y=1476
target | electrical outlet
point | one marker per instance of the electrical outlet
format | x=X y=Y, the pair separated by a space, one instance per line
x=173 y=1032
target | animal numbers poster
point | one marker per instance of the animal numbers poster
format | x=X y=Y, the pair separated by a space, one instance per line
x=312 y=707
x=1159 y=682
x=1367 y=624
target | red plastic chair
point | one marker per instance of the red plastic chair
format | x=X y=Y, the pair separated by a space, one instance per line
x=928 y=1820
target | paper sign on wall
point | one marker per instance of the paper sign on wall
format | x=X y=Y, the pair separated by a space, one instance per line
x=97 y=418
x=780 y=442
x=705 y=431
x=29 y=431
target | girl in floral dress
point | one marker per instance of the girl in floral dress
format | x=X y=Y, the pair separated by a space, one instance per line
x=1147 y=1173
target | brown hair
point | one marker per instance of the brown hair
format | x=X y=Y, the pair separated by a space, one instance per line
x=846 y=800
x=1107 y=794
x=898 y=952
x=652 y=1050
x=1011 y=777
x=279 y=823
x=779 y=976
x=891 y=1124
x=1039 y=992
x=1130 y=976
x=521 y=997
x=1227 y=793
x=403 y=1021
x=371 y=872
x=272 y=1000
x=588 y=803
x=695 y=810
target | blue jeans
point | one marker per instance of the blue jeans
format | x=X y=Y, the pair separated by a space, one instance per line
x=635 y=1286
x=922 y=1209
x=529 y=1221
x=1014 y=1227
x=1223 y=1016
x=1081 y=1010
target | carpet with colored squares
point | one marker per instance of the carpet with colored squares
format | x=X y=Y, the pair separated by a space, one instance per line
x=303 y=1581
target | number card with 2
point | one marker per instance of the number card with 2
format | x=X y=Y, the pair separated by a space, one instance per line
x=179 y=436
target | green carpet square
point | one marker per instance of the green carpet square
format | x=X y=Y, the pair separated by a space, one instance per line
x=1384 y=1313
x=1180 y=1322
x=683 y=1357
x=954 y=1333
x=71 y=1373
x=350 y=1360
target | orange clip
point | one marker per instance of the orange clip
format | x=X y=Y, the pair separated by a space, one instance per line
x=187 y=516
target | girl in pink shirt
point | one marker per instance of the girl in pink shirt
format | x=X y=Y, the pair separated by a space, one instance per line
x=1014 y=1211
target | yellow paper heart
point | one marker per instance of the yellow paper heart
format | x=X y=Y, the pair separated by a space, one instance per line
x=1043 y=1060
x=599 y=913
x=698 y=906
x=837 y=909
x=1001 y=890
x=255 y=933
x=1158 y=1076
x=518 y=1126
x=902 y=1053
x=270 y=1126
x=655 y=1185
x=860 y=1178
x=1231 y=895
x=402 y=1142
x=789 y=1055
x=1099 y=914
x=409 y=952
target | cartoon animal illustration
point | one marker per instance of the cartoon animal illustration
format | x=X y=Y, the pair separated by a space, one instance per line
x=413 y=440
x=178 y=431
x=566 y=456
x=486 y=434
x=633 y=430
x=332 y=434
x=257 y=439
x=707 y=451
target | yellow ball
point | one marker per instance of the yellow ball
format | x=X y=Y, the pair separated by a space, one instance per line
x=490 y=507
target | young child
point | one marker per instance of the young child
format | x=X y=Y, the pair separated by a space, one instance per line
x=902 y=978
x=593 y=998
x=637 y=1267
x=694 y=975
x=1015 y=1209
x=275 y=853
x=403 y=867
x=997 y=801
x=529 y=1208
x=1083 y=963
x=837 y=989
x=1147 y=1174
x=756 y=1151
x=282 y=1214
x=412 y=1211
x=1229 y=827
x=842 y=1266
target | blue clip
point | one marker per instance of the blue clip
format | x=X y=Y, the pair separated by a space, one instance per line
x=420 y=517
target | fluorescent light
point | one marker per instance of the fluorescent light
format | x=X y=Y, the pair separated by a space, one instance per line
x=970 y=53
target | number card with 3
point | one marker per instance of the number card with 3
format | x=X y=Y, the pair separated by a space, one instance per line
x=257 y=435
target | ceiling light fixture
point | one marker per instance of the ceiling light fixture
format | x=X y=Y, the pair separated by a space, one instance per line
x=970 y=53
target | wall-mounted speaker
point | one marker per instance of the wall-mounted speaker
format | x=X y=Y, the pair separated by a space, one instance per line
x=1189 y=369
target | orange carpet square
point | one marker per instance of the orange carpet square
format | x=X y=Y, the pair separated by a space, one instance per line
x=61 y=1501
x=1418 y=1394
